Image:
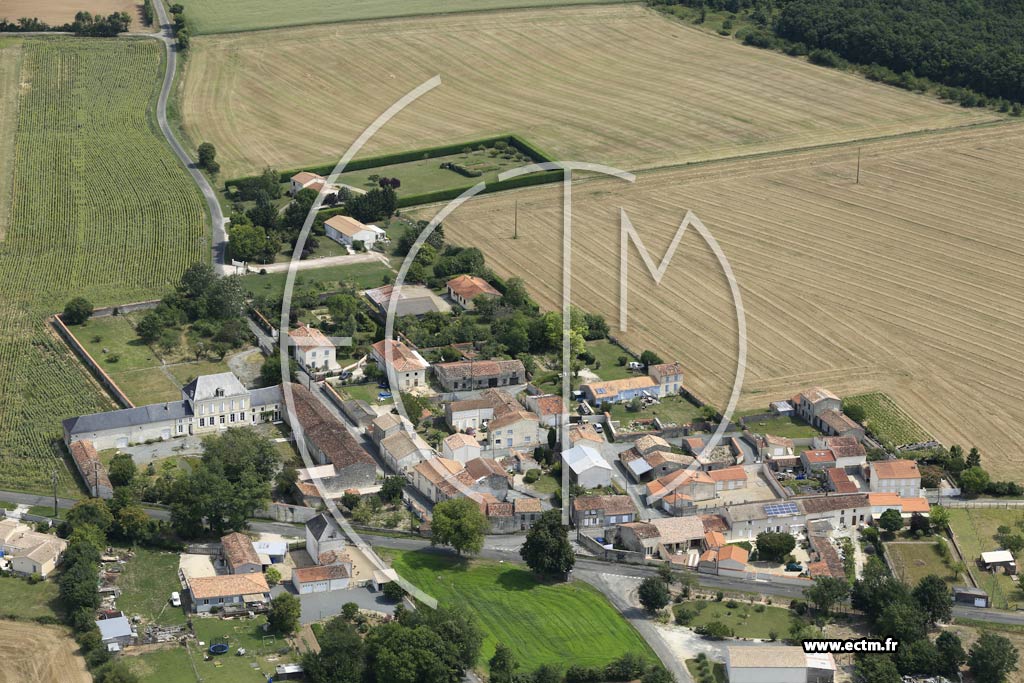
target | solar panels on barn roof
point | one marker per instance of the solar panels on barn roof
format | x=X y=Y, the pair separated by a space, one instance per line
x=781 y=509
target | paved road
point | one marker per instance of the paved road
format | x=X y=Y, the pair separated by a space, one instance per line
x=219 y=234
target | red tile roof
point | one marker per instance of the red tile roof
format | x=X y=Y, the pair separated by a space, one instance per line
x=469 y=287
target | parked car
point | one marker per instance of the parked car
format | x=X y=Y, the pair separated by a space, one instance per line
x=599 y=428
x=176 y=599
x=794 y=567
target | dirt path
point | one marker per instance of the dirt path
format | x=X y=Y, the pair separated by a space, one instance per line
x=32 y=653
x=322 y=262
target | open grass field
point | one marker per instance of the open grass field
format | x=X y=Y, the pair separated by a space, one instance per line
x=671 y=409
x=886 y=420
x=907 y=283
x=560 y=623
x=646 y=91
x=745 y=621
x=361 y=275
x=169 y=665
x=146 y=585
x=100 y=208
x=21 y=600
x=607 y=354
x=790 y=427
x=975 y=530
x=912 y=561
x=227 y=16
x=426 y=175
x=57 y=12
x=40 y=654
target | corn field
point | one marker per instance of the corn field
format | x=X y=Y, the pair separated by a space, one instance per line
x=100 y=208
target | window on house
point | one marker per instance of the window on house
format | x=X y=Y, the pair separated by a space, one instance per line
x=222 y=419
x=202 y=422
x=232 y=417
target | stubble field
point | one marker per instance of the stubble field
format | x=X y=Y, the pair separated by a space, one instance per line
x=57 y=12
x=644 y=91
x=40 y=654
x=908 y=283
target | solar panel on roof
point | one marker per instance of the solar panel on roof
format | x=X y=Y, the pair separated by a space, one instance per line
x=780 y=509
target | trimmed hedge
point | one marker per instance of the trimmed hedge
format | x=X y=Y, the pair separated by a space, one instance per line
x=413 y=155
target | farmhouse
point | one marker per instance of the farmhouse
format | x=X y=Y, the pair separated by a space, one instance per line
x=548 y=407
x=94 y=474
x=777 y=664
x=586 y=467
x=823 y=409
x=848 y=451
x=460 y=447
x=305 y=179
x=464 y=375
x=227 y=590
x=406 y=366
x=668 y=376
x=27 y=551
x=597 y=512
x=465 y=289
x=517 y=428
x=324 y=538
x=404 y=450
x=440 y=479
x=239 y=554
x=328 y=442
x=895 y=476
x=312 y=350
x=210 y=403
x=409 y=300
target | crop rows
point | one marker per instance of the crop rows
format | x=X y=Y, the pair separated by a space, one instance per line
x=886 y=420
x=100 y=208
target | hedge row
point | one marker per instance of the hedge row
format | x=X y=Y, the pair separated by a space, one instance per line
x=538 y=178
x=413 y=155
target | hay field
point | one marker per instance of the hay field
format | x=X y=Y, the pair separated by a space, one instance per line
x=645 y=90
x=56 y=12
x=10 y=78
x=909 y=283
x=39 y=654
x=228 y=16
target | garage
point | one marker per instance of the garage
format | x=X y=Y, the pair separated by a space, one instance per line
x=321 y=579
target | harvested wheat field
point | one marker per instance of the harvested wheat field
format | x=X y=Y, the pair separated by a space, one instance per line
x=909 y=283
x=57 y=12
x=39 y=654
x=645 y=91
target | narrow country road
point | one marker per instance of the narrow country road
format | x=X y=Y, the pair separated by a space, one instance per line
x=219 y=237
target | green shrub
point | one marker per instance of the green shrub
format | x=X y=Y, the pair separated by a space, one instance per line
x=531 y=476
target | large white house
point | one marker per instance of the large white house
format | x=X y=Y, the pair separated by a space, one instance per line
x=312 y=350
x=895 y=476
x=210 y=403
x=408 y=366
x=347 y=230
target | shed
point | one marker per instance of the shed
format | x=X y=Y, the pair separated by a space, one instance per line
x=968 y=595
x=115 y=630
x=996 y=559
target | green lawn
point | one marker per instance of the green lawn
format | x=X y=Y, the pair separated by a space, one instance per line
x=744 y=620
x=608 y=354
x=225 y=16
x=244 y=633
x=114 y=334
x=671 y=409
x=146 y=585
x=362 y=275
x=975 y=531
x=426 y=175
x=912 y=561
x=561 y=623
x=7 y=505
x=146 y=386
x=22 y=600
x=166 y=666
x=46 y=511
x=547 y=484
x=789 y=427
x=364 y=392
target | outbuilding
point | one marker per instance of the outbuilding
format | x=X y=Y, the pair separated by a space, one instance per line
x=321 y=579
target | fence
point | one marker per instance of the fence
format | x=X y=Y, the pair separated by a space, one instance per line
x=99 y=373
x=284 y=512
x=773 y=483
x=124 y=308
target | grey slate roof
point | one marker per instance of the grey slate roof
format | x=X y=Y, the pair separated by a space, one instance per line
x=323 y=527
x=265 y=396
x=129 y=417
x=206 y=386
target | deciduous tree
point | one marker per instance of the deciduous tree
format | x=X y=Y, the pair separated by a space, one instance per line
x=459 y=524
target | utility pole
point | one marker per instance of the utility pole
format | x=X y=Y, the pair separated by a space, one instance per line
x=53 y=480
x=858 y=165
x=96 y=479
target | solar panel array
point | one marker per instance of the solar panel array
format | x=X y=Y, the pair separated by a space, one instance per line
x=781 y=509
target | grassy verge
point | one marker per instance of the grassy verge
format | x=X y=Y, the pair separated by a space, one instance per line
x=556 y=623
x=23 y=600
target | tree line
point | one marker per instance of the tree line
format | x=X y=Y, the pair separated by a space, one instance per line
x=85 y=24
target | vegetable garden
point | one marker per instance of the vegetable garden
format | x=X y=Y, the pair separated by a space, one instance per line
x=100 y=208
